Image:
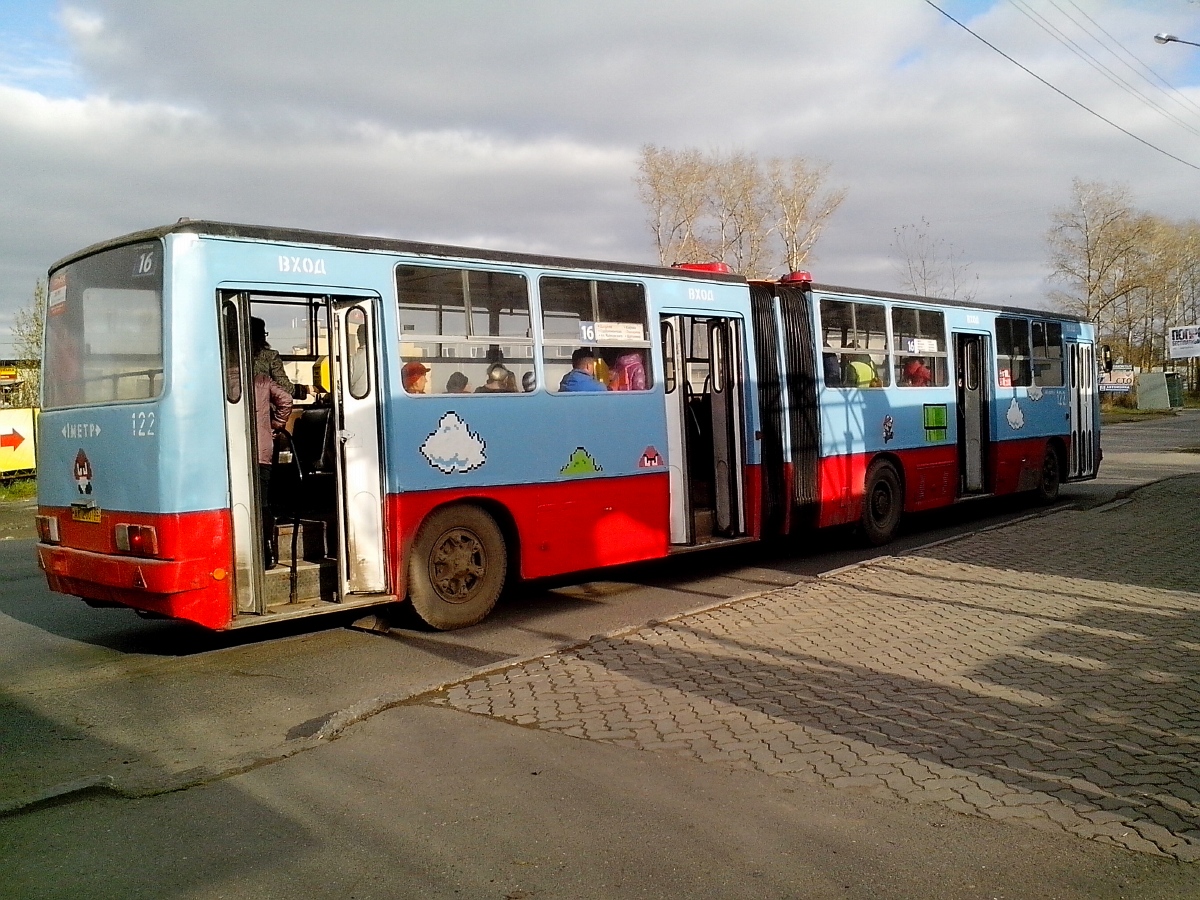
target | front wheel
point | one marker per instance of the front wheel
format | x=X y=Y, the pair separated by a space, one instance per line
x=1051 y=480
x=457 y=567
x=883 y=502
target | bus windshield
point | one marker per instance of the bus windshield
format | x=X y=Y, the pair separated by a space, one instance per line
x=104 y=328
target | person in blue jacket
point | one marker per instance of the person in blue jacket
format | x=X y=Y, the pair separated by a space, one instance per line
x=582 y=376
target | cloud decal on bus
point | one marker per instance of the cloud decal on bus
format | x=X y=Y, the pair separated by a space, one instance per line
x=1016 y=418
x=453 y=447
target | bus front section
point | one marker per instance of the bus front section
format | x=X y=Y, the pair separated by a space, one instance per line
x=127 y=513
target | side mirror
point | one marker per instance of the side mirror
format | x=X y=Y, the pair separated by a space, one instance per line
x=1108 y=360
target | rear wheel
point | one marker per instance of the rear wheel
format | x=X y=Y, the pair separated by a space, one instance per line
x=883 y=502
x=457 y=567
x=1047 y=489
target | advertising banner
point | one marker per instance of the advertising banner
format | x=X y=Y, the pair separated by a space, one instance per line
x=16 y=441
x=1183 y=342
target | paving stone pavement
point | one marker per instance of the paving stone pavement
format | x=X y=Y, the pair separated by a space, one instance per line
x=1047 y=671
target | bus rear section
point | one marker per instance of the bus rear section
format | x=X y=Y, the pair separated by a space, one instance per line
x=876 y=404
x=122 y=518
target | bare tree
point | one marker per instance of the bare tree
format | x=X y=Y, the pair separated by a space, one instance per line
x=1132 y=273
x=1094 y=244
x=757 y=217
x=28 y=330
x=931 y=266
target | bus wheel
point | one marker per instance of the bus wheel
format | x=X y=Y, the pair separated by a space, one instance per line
x=457 y=567
x=1047 y=489
x=882 y=503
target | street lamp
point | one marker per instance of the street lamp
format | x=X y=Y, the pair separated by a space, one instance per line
x=1164 y=38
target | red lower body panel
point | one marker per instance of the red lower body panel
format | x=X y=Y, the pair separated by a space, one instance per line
x=566 y=527
x=191 y=578
x=930 y=476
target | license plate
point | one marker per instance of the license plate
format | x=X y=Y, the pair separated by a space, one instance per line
x=86 y=514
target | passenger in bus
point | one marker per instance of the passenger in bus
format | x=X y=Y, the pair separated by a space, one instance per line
x=415 y=377
x=267 y=361
x=529 y=381
x=833 y=369
x=457 y=384
x=916 y=373
x=272 y=409
x=627 y=373
x=500 y=380
x=582 y=376
x=862 y=372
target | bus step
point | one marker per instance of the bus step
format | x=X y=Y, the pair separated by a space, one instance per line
x=310 y=544
x=314 y=581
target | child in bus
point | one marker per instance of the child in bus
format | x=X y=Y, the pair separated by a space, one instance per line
x=457 y=383
x=916 y=373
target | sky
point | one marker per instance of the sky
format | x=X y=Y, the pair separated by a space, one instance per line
x=518 y=125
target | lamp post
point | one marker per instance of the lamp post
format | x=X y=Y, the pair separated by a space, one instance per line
x=1164 y=38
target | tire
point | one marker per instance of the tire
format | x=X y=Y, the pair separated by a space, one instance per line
x=1051 y=480
x=883 y=503
x=457 y=567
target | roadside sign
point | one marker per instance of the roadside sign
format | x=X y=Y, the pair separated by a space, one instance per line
x=1184 y=342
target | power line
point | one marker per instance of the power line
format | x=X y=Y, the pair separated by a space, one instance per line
x=1061 y=92
x=1067 y=41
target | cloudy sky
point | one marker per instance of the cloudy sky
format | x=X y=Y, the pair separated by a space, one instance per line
x=517 y=124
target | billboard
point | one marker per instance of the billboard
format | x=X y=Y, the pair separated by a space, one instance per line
x=1183 y=342
x=16 y=441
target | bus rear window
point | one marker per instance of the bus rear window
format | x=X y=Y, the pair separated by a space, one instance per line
x=104 y=329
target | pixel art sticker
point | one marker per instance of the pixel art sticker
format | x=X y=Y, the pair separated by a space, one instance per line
x=651 y=459
x=453 y=447
x=581 y=463
x=1016 y=418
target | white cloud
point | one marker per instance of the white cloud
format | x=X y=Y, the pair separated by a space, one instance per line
x=517 y=125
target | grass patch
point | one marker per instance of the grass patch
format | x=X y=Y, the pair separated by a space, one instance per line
x=1117 y=414
x=17 y=489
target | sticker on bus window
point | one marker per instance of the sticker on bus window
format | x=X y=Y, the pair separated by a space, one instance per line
x=918 y=346
x=581 y=463
x=57 y=296
x=454 y=447
x=937 y=420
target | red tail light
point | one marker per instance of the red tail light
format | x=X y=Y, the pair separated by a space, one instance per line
x=47 y=529
x=140 y=540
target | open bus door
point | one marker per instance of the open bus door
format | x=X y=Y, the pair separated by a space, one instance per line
x=705 y=437
x=326 y=490
x=356 y=392
x=1085 y=439
x=244 y=501
x=971 y=364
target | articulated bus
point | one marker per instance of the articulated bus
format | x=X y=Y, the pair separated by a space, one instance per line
x=446 y=450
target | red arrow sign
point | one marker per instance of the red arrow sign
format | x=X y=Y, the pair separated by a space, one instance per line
x=13 y=439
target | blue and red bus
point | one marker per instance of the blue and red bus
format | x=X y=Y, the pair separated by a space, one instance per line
x=447 y=447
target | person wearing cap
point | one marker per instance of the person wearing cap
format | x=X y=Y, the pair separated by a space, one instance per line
x=267 y=360
x=414 y=377
x=457 y=383
x=582 y=376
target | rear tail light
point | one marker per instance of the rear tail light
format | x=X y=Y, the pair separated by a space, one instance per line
x=140 y=540
x=47 y=529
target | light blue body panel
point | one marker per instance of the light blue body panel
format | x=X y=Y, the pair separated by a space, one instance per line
x=893 y=418
x=180 y=464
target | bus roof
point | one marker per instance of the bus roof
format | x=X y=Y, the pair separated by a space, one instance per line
x=389 y=245
x=267 y=233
